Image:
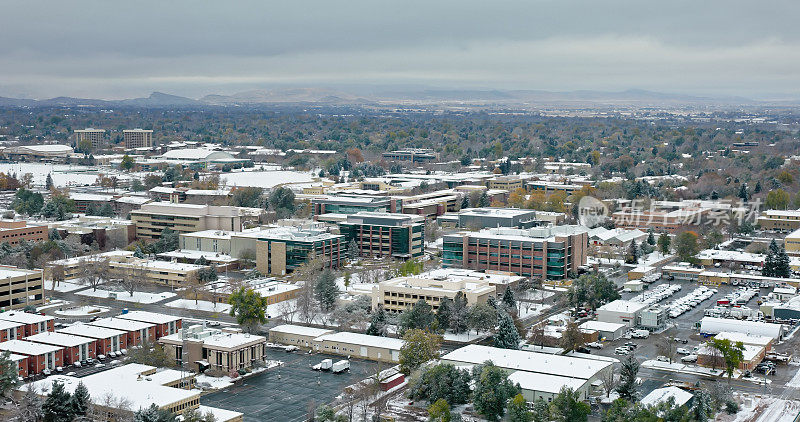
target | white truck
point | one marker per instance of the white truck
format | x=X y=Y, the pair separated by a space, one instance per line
x=340 y=366
x=640 y=334
x=325 y=365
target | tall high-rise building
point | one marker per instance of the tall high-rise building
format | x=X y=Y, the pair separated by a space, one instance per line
x=137 y=138
x=95 y=136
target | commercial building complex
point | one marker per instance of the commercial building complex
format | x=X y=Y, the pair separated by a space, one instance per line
x=12 y=231
x=780 y=220
x=399 y=294
x=151 y=219
x=20 y=288
x=137 y=138
x=351 y=204
x=546 y=252
x=281 y=250
x=485 y=218
x=223 y=350
x=413 y=155
x=384 y=234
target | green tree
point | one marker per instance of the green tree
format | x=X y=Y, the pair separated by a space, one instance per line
x=507 y=336
x=57 y=407
x=686 y=246
x=9 y=377
x=281 y=200
x=419 y=346
x=326 y=413
x=518 y=410
x=439 y=411
x=419 y=316
x=106 y=210
x=127 y=163
x=627 y=378
x=571 y=338
x=567 y=406
x=27 y=202
x=664 y=243
x=353 y=253
x=444 y=312
x=58 y=207
x=377 y=323
x=247 y=197
x=326 y=290
x=492 y=390
x=48 y=183
x=80 y=400
x=151 y=354
x=441 y=382
x=702 y=408
x=459 y=316
x=248 y=307
x=732 y=353
x=482 y=317
x=651 y=238
x=777 y=199
x=632 y=256
x=743 y=195
x=541 y=411
x=509 y=300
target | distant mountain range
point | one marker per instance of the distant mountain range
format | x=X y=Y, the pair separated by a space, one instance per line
x=389 y=95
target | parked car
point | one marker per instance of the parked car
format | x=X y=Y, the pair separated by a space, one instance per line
x=622 y=351
x=682 y=351
x=662 y=358
x=595 y=345
x=689 y=358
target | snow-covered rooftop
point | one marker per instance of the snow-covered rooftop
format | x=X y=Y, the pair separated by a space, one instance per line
x=544 y=382
x=300 y=330
x=25 y=317
x=362 y=340
x=150 y=317
x=59 y=339
x=22 y=347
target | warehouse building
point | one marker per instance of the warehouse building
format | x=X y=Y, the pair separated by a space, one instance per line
x=382 y=349
x=296 y=335
x=607 y=330
x=621 y=312
x=710 y=326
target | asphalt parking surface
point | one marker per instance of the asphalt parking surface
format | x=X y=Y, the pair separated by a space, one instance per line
x=287 y=393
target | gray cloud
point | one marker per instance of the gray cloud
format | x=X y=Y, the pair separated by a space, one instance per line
x=121 y=49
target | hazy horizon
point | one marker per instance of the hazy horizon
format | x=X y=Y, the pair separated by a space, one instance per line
x=126 y=50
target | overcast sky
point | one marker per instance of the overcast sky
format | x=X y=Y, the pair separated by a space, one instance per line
x=112 y=49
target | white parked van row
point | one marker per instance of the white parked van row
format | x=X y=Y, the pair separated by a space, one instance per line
x=680 y=306
x=657 y=294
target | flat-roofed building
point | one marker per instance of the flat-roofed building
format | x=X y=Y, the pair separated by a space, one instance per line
x=21 y=363
x=164 y=324
x=621 y=312
x=137 y=138
x=751 y=356
x=76 y=348
x=753 y=339
x=270 y=289
x=433 y=204
x=20 y=288
x=217 y=241
x=509 y=183
x=13 y=231
x=351 y=204
x=401 y=293
x=551 y=253
x=40 y=356
x=106 y=339
x=31 y=323
x=381 y=349
x=780 y=220
x=223 y=350
x=588 y=369
x=10 y=330
x=412 y=155
x=485 y=218
x=385 y=234
x=151 y=219
x=534 y=386
x=296 y=335
x=280 y=250
x=792 y=243
x=96 y=137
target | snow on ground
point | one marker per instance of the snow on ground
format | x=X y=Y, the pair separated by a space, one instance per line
x=215 y=383
x=62 y=174
x=138 y=297
x=795 y=381
x=463 y=337
x=527 y=309
x=64 y=287
x=82 y=311
x=201 y=305
x=768 y=409
x=265 y=179
x=536 y=294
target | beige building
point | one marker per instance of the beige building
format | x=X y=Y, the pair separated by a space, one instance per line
x=792 y=243
x=137 y=138
x=780 y=220
x=225 y=350
x=95 y=136
x=382 y=349
x=20 y=288
x=151 y=219
x=398 y=294
x=296 y=335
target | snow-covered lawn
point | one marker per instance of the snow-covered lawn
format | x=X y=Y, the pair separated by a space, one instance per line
x=138 y=297
x=767 y=409
x=265 y=179
x=687 y=369
x=527 y=309
x=63 y=286
x=463 y=337
x=201 y=305
x=82 y=311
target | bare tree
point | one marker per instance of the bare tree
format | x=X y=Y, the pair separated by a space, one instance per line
x=94 y=271
x=28 y=407
x=537 y=334
x=306 y=302
x=287 y=309
x=133 y=277
x=609 y=382
x=666 y=347
x=194 y=287
x=57 y=275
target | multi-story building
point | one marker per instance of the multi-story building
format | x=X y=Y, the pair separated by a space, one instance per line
x=792 y=243
x=509 y=183
x=12 y=231
x=137 y=138
x=780 y=220
x=164 y=324
x=413 y=155
x=76 y=348
x=385 y=234
x=550 y=253
x=484 y=218
x=280 y=250
x=151 y=219
x=223 y=350
x=400 y=293
x=20 y=288
x=433 y=204
x=105 y=339
x=217 y=241
x=95 y=136
x=662 y=221
x=40 y=356
x=351 y=204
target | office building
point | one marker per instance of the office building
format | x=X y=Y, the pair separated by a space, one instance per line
x=412 y=155
x=551 y=253
x=792 y=243
x=380 y=235
x=151 y=219
x=280 y=250
x=486 y=218
x=20 y=288
x=401 y=293
x=780 y=220
x=351 y=204
x=621 y=312
x=12 y=231
x=223 y=350
x=96 y=137
x=137 y=138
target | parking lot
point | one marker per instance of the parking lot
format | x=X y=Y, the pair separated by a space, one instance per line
x=288 y=392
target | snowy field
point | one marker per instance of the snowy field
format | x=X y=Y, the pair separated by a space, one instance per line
x=201 y=305
x=138 y=297
x=64 y=287
x=82 y=311
x=63 y=174
x=527 y=310
x=265 y=179
x=768 y=409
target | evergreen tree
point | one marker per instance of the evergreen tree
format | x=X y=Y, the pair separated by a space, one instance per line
x=443 y=313
x=664 y=243
x=326 y=290
x=484 y=200
x=627 y=379
x=518 y=410
x=770 y=262
x=154 y=414
x=352 y=250
x=138 y=253
x=459 y=317
x=507 y=336
x=541 y=411
x=91 y=209
x=80 y=400
x=492 y=302
x=57 y=407
x=492 y=390
x=420 y=316
x=632 y=257
x=651 y=238
x=701 y=407
x=9 y=377
x=508 y=299
x=441 y=381
x=567 y=406
x=48 y=183
x=743 y=195
x=782 y=267
x=106 y=210
x=464 y=202
x=757 y=189
x=377 y=324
